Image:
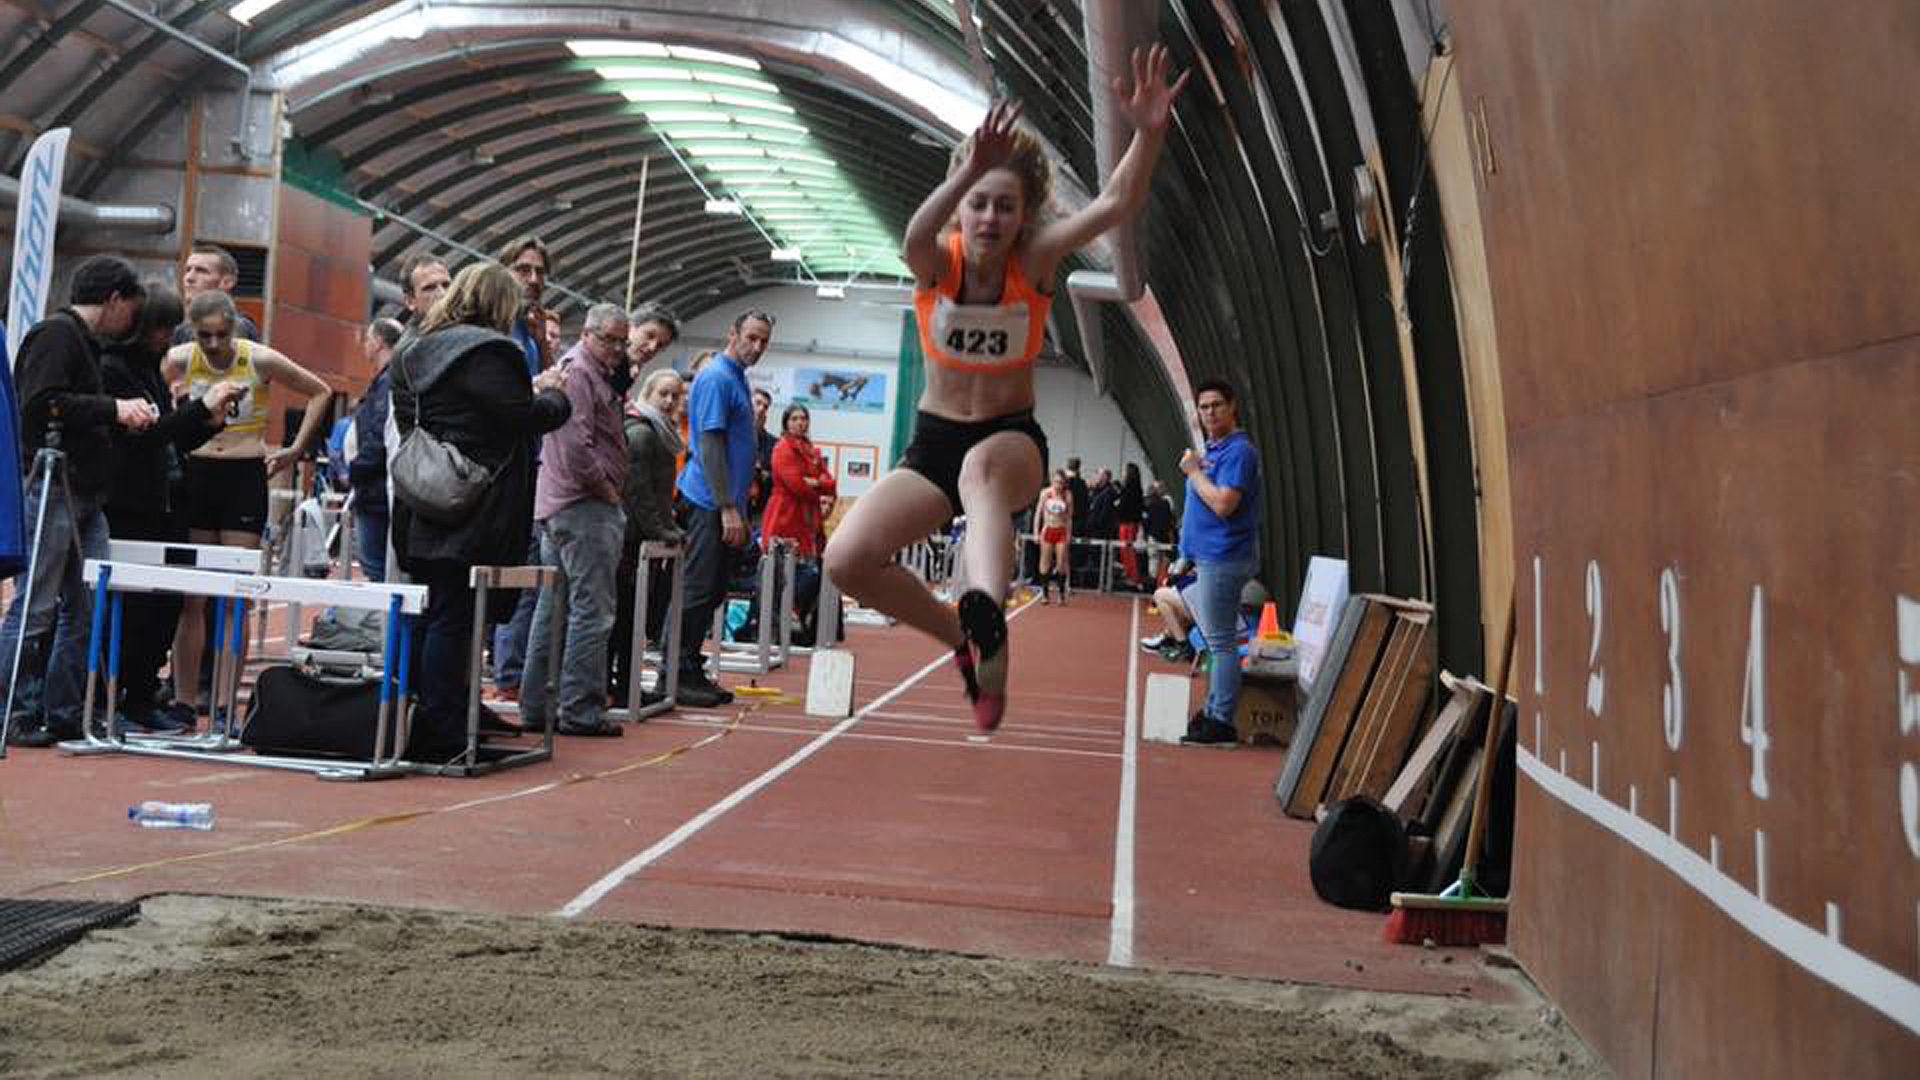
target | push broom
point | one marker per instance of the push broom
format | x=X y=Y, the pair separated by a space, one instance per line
x=1462 y=914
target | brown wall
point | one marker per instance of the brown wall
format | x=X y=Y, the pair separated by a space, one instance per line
x=319 y=292
x=1701 y=239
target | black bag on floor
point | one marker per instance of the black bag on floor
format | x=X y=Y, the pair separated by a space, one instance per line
x=1358 y=854
x=297 y=714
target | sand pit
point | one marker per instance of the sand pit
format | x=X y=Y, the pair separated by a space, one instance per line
x=208 y=986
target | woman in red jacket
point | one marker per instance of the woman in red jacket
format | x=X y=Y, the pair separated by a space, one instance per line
x=803 y=490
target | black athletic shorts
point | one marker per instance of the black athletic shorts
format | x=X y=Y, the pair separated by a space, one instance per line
x=940 y=445
x=226 y=494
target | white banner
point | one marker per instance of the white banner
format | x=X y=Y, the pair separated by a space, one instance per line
x=35 y=216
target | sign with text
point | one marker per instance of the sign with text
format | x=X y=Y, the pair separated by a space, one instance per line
x=35 y=216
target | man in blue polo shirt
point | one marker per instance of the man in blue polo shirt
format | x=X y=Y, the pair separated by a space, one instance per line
x=719 y=471
x=1220 y=532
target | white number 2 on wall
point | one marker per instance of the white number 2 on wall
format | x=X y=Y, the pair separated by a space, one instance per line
x=1596 y=678
x=1673 y=701
x=1907 y=614
x=1753 y=694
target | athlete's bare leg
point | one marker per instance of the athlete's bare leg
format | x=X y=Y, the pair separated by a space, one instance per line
x=996 y=478
x=190 y=634
x=902 y=508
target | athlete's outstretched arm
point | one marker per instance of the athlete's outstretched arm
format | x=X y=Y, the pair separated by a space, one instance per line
x=1148 y=105
x=992 y=142
x=279 y=369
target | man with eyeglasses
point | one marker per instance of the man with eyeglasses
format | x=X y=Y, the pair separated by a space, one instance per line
x=527 y=258
x=719 y=471
x=577 y=507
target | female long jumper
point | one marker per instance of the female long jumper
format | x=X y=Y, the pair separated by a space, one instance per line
x=984 y=263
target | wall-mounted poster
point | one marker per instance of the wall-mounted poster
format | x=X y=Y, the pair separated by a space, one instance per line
x=855 y=469
x=847 y=390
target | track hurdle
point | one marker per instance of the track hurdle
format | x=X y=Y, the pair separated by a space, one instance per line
x=235 y=592
x=770 y=646
x=480 y=757
x=667 y=680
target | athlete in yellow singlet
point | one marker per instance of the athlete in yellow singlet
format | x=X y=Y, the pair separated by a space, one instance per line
x=225 y=487
x=984 y=263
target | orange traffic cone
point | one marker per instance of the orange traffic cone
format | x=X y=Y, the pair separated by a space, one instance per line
x=1269 y=623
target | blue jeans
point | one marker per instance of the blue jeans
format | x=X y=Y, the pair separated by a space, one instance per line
x=62 y=608
x=1215 y=600
x=510 y=638
x=583 y=540
x=370 y=542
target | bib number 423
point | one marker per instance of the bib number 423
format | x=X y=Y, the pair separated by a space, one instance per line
x=977 y=342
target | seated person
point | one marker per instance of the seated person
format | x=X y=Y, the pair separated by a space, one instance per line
x=1176 y=642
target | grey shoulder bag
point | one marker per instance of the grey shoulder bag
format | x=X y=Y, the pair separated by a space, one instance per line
x=432 y=476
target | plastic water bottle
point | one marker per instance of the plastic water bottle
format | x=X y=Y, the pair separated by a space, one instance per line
x=154 y=814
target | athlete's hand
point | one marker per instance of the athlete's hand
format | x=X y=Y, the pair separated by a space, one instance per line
x=280 y=461
x=220 y=399
x=135 y=414
x=733 y=527
x=993 y=139
x=1149 y=104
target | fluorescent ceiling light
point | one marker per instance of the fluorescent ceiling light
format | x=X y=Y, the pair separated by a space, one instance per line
x=723 y=206
x=831 y=292
x=651 y=71
x=245 y=11
x=742 y=81
x=684 y=116
x=743 y=101
x=617 y=48
x=645 y=97
x=689 y=52
x=770 y=122
x=785 y=254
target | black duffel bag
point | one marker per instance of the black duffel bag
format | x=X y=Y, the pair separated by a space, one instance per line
x=1359 y=852
x=297 y=714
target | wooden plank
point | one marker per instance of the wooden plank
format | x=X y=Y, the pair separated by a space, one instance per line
x=1308 y=729
x=1371 y=718
x=1400 y=722
x=1348 y=692
x=1407 y=796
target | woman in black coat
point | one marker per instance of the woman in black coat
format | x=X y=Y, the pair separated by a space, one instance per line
x=461 y=377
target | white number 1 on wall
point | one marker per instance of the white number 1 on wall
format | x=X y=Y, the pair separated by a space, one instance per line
x=1596 y=678
x=1753 y=695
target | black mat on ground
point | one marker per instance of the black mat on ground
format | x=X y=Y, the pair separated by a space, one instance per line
x=30 y=929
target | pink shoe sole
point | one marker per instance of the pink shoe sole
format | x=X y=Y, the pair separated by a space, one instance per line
x=987 y=711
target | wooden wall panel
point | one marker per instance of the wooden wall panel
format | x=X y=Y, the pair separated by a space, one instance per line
x=1709 y=352
x=320 y=283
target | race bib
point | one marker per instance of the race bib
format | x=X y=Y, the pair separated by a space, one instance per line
x=980 y=335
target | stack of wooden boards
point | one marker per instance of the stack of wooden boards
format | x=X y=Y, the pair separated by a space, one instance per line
x=1364 y=731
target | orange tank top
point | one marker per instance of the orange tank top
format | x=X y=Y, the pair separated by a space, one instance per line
x=989 y=339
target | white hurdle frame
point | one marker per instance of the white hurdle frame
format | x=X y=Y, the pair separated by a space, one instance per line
x=236 y=591
x=472 y=761
x=667 y=679
x=765 y=653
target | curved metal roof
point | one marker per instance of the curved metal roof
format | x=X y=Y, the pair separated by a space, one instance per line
x=475 y=121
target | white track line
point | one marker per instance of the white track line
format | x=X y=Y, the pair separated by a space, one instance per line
x=1120 y=934
x=599 y=889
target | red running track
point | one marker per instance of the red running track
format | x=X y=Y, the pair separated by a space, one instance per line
x=900 y=825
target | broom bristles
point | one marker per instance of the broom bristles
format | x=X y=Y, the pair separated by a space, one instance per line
x=1458 y=926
